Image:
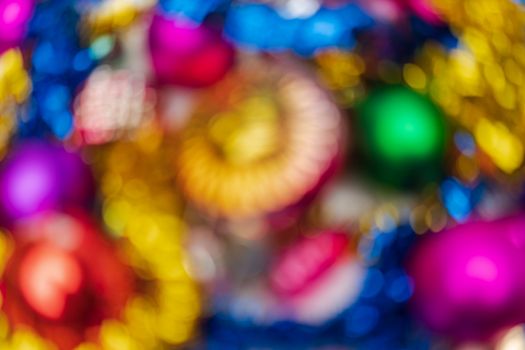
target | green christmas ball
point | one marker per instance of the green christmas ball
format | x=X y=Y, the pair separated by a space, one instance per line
x=402 y=135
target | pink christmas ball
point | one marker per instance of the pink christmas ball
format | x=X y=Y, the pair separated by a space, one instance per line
x=14 y=15
x=188 y=54
x=317 y=277
x=38 y=176
x=469 y=281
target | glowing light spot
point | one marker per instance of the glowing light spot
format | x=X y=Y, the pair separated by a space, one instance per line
x=47 y=276
x=11 y=12
x=482 y=268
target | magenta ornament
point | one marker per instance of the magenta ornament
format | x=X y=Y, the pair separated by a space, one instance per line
x=14 y=16
x=188 y=54
x=469 y=281
x=38 y=176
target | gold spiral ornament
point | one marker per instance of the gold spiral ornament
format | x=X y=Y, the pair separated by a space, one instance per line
x=262 y=140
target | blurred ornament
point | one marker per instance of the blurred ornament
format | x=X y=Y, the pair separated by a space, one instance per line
x=141 y=207
x=261 y=144
x=53 y=285
x=14 y=81
x=468 y=280
x=188 y=54
x=14 y=18
x=330 y=28
x=305 y=274
x=59 y=64
x=258 y=26
x=403 y=136
x=342 y=71
x=283 y=27
x=479 y=83
x=111 y=104
x=374 y=319
x=38 y=176
x=14 y=89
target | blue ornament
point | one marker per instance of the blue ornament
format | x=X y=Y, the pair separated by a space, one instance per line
x=259 y=27
x=58 y=66
x=330 y=28
x=262 y=28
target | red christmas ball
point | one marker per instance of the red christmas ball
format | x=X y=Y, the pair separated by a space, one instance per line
x=64 y=278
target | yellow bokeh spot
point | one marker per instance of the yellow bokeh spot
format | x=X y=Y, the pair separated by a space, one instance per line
x=14 y=81
x=505 y=149
x=414 y=76
x=115 y=336
x=27 y=340
x=88 y=346
x=4 y=326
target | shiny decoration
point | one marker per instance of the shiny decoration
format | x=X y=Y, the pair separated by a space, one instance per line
x=468 y=280
x=14 y=89
x=141 y=208
x=59 y=64
x=342 y=71
x=403 y=135
x=479 y=83
x=53 y=285
x=303 y=277
x=202 y=56
x=38 y=176
x=111 y=105
x=14 y=81
x=268 y=129
x=14 y=17
x=214 y=152
x=263 y=27
x=373 y=321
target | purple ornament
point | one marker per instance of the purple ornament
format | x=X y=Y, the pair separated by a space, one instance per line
x=469 y=281
x=14 y=16
x=188 y=54
x=38 y=176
